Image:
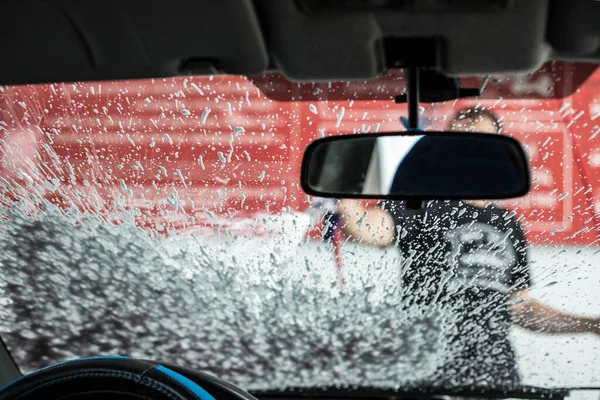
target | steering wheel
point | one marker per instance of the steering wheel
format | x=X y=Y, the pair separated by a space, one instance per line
x=119 y=378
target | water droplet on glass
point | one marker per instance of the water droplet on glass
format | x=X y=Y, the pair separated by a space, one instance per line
x=339 y=117
x=204 y=116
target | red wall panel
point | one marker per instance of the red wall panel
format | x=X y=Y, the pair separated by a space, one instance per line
x=208 y=151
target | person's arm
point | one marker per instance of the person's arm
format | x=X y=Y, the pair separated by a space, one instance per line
x=535 y=316
x=370 y=226
x=532 y=314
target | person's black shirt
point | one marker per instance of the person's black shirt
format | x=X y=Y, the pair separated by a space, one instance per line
x=473 y=257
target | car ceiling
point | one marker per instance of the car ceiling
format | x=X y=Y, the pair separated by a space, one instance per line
x=306 y=40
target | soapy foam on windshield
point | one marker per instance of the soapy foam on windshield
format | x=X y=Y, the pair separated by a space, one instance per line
x=260 y=320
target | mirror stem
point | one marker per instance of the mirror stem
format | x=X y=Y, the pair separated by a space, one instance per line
x=413 y=98
x=413 y=119
x=414 y=204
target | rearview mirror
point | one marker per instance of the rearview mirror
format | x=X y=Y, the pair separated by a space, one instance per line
x=427 y=166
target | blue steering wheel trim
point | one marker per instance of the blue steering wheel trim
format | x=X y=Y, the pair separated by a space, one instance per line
x=187 y=383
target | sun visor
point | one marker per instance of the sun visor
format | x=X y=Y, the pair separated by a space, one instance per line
x=50 y=41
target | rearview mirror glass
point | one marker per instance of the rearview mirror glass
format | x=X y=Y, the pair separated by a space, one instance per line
x=428 y=166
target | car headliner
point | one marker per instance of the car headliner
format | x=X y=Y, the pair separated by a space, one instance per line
x=50 y=41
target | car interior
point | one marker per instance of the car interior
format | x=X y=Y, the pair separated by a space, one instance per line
x=92 y=89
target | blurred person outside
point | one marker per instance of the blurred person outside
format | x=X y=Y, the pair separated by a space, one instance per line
x=470 y=252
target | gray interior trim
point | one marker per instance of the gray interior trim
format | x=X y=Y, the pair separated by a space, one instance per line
x=70 y=40
x=8 y=368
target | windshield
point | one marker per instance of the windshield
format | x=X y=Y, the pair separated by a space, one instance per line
x=164 y=219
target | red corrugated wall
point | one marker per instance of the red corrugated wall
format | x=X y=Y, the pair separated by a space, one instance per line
x=211 y=151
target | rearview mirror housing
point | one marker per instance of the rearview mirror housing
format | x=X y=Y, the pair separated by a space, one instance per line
x=416 y=166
